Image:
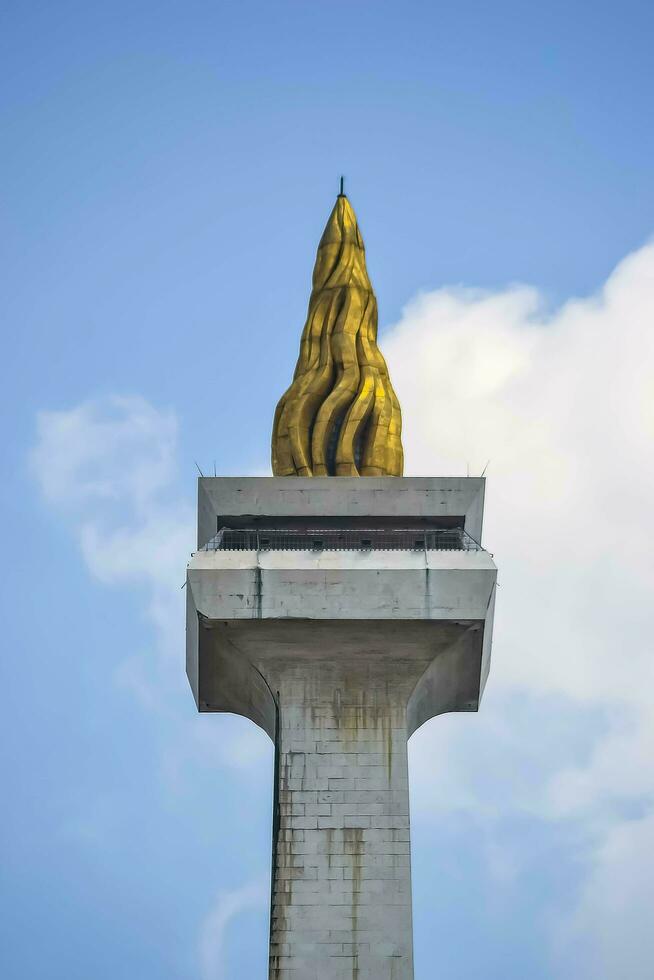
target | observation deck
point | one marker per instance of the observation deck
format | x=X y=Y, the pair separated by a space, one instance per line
x=330 y=565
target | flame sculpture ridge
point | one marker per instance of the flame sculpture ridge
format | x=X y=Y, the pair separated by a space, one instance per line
x=340 y=416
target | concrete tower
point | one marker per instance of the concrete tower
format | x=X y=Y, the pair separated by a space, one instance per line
x=340 y=606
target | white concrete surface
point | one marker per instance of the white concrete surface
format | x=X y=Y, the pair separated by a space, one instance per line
x=340 y=656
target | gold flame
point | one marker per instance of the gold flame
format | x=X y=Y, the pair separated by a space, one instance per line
x=340 y=416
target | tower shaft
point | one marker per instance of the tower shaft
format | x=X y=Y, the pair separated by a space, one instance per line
x=341 y=895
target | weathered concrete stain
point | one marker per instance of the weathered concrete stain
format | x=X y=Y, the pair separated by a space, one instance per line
x=354 y=837
x=258 y=591
x=342 y=888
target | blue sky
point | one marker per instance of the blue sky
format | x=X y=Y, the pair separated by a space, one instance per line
x=166 y=173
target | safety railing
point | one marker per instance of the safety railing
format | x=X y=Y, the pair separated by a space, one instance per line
x=334 y=539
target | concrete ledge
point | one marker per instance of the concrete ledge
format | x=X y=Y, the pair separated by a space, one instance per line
x=342 y=584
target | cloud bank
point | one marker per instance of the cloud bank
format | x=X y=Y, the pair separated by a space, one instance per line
x=562 y=405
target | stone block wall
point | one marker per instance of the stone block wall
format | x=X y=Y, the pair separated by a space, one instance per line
x=342 y=876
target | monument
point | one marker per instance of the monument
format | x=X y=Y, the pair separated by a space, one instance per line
x=339 y=606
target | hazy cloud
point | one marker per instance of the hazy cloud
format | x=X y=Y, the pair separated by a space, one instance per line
x=561 y=404
x=113 y=449
x=110 y=466
x=213 y=933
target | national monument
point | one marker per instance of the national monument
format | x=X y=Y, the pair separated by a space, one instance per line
x=340 y=606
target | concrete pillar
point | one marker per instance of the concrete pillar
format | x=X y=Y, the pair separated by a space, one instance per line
x=341 y=901
x=340 y=642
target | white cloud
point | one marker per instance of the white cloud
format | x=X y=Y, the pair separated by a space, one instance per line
x=213 y=934
x=612 y=927
x=562 y=404
x=113 y=449
x=109 y=465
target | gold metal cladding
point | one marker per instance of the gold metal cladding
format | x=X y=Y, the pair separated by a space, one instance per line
x=340 y=416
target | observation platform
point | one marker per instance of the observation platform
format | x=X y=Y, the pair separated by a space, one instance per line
x=322 y=566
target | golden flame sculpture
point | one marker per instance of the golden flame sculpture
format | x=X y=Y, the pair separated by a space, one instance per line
x=340 y=416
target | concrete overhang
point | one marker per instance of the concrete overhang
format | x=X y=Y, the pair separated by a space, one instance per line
x=422 y=585
x=230 y=501
x=430 y=610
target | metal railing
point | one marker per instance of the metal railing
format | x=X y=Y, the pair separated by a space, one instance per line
x=335 y=539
